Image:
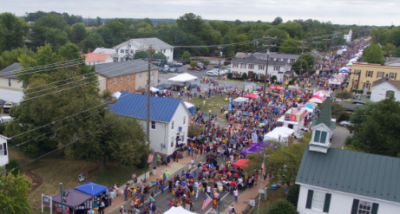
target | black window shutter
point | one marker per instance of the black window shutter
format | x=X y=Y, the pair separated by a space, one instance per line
x=354 y=209
x=327 y=202
x=375 y=208
x=5 y=148
x=309 y=198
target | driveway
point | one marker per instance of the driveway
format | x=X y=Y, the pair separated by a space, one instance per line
x=340 y=134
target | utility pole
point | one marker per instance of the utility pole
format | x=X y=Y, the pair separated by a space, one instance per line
x=266 y=68
x=148 y=106
x=301 y=56
x=220 y=55
x=61 y=198
x=326 y=45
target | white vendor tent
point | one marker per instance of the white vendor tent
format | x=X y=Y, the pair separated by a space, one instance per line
x=116 y=94
x=334 y=82
x=240 y=101
x=284 y=130
x=178 y=210
x=185 y=77
x=154 y=89
x=276 y=136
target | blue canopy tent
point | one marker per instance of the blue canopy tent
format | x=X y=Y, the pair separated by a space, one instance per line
x=91 y=189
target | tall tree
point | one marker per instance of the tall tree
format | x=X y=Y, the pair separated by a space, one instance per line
x=186 y=57
x=373 y=54
x=78 y=32
x=190 y=23
x=278 y=20
x=380 y=35
x=14 y=193
x=12 y=32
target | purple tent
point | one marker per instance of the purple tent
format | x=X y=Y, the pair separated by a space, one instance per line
x=254 y=147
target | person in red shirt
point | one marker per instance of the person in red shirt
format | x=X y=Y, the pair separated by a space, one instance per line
x=232 y=186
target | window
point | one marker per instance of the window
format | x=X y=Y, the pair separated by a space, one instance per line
x=131 y=51
x=172 y=125
x=98 y=82
x=153 y=124
x=184 y=119
x=389 y=93
x=369 y=73
x=129 y=77
x=115 y=80
x=126 y=51
x=9 y=82
x=357 y=71
x=364 y=207
x=116 y=50
x=393 y=76
x=367 y=85
x=172 y=142
x=122 y=51
x=122 y=79
x=292 y=60
x=320 y=136
x=251 y=66
x=277 y=68
x=318 y=201
x=242 y=65
x=380 y=74
x=261 y=67
x=171 y=50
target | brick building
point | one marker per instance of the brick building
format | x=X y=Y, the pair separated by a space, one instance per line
x=126 y=76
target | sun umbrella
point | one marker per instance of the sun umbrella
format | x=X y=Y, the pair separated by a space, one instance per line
x=344 y=70
x=252 y=95
x=315 y=100
x=275 y=87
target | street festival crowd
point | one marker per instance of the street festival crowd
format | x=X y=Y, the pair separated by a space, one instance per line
x=223 y=145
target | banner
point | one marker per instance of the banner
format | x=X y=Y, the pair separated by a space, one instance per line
x=46 y=201
x=65 y=209
x=230 y=103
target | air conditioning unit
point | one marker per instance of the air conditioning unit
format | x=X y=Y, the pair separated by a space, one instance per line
x=163 y=146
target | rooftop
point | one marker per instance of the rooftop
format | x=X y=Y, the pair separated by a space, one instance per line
x=135 y=105
x=94 y=57
x=357 y=173
x=123 y=68
x=8 y=72
x=395 y=83
x=156 y=43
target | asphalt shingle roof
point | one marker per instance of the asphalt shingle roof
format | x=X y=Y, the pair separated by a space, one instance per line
x=370 y=175
x=6 y=72
x=395 y=83
x=325 y=114
x=123 y=68
x=135 y=105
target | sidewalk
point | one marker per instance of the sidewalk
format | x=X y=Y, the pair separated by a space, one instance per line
x=172 y=167
x=244 y=198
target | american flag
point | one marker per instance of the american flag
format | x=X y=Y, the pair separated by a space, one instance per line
x=206 y=202
x=263 y=167
x=150 y=158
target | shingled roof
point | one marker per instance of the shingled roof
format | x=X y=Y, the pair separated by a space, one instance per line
x=395 y=83
x=370 y=175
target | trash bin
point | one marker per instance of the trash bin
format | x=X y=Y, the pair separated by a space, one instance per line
x=154 y=170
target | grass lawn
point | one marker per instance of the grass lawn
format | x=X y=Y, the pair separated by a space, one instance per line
x=214 y=104
x=55 y=170
x=273 y=196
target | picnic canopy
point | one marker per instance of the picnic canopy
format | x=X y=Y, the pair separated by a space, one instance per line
x=185 y=77
x=91 y=189
x=74 y=199
x=240 y=163
x=178 y=210
x=240 y=101
x=254 y=148
x=275 y=87
x=251 y=95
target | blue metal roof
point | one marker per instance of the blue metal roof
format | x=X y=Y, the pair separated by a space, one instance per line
x=135 y=105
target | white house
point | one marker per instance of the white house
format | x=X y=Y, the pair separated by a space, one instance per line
x=8 y=80
x=278 y=65
x=98 y=58
x=383 y=88
x=126 y=50
x=169 y=119
x=342 y=181
x=3 y=151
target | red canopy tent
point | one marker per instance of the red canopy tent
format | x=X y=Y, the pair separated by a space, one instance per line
x=275 y=87
x=240 y=163
x=252 y=95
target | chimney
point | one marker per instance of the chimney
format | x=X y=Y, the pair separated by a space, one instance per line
x=88 y=51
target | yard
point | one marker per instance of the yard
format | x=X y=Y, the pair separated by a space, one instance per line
x=47 y=173
x=214 y=104
x=273 y=196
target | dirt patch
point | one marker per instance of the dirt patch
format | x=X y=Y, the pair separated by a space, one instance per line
x=34 y=178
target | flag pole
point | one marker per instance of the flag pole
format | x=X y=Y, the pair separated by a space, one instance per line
x=261 y=183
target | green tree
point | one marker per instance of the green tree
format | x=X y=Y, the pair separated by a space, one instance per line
x=12 y=32
x=190 y=23
x=282 y=207
x=14 y=193
x=194 y=64
x=343 y=95
x=9 y=57
x=290 y=46
x=388 y=49
x=186 y=57
x=98 y=21
x=141 y=54
x=300 y=62
x=397 y=52
x=206 y=61
x=91 y=42
x=13 y=167
x=293 y=194
x=373 y=54
x=69 y=52
x=278 y=20
x=159 y=57
x=78 y=32
x=380 y=35
x=309 y=58
x=376 y=128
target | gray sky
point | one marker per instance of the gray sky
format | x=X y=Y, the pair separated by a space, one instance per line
x=365 y=12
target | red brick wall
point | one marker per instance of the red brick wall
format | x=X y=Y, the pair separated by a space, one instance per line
x=121 y=86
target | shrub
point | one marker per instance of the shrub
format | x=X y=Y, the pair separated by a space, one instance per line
x=244 y=76
x=194 y=64
x=14 y=164
x=343 y=95
x=206 y=61
x=293 y=194
x=291 y=82
x=282 y=206
x=229 y=75
x=237 y=75
x=273 y=78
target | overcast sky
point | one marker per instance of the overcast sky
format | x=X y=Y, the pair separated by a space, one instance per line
x=365 y=12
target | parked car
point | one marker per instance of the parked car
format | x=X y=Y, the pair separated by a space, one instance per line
x=346 y=123
x=177 y=64
x=194 y=69
x=217 y=65
x=173 y=70
x=5 y=119
x=165 y=69
x=7 y=106
x=212 y=73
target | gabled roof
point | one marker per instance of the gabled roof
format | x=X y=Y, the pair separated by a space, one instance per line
x=325 y=114
x=156 y=43
x=9 y=71
x=94 y=57
x=104 y=50
x=123 y=68
x=135 y=105
x=395 y=83
x=357 y=173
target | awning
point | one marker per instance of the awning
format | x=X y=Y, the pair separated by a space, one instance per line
x=91 y=189
x=74 y=198
x=252 y=95
x=240 y=163
x=185 y=77
x=178 y=210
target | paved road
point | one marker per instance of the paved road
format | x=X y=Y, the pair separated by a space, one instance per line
x=340 y=134
x=162 y=199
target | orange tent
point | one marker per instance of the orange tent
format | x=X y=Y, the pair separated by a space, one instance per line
x=241 y=163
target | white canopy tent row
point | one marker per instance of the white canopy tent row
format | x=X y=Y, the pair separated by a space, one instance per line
x=280 y=134
x=240 y=101
x=185 y=77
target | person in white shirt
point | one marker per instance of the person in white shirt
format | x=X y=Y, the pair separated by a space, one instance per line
x=236 y=194
x=196 y=189
x=209 y=190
